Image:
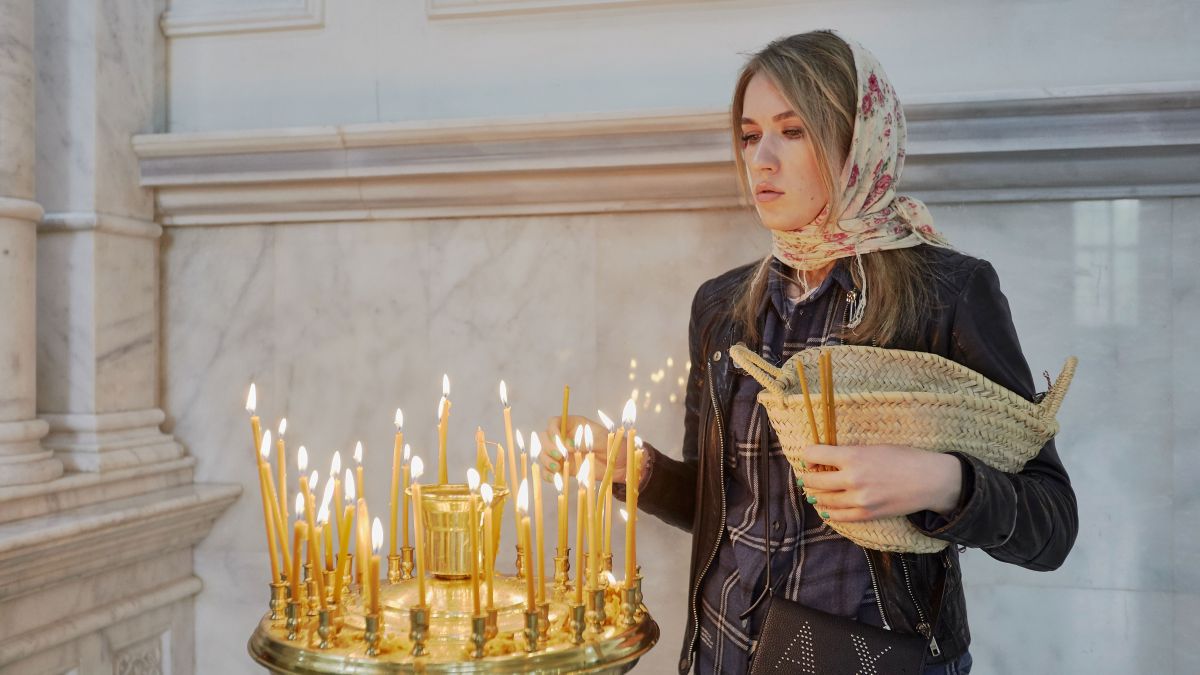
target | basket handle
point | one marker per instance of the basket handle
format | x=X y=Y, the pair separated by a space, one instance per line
x=1058 y=391
x=763 y=372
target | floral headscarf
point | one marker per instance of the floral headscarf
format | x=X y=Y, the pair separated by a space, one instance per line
x=870 y=215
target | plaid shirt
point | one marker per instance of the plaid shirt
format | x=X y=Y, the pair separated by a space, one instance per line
x=810 y=563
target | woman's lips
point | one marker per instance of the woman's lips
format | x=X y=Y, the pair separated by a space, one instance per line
x=767 y=196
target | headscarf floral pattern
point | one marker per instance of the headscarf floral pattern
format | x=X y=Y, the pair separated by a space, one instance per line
x=870 y=215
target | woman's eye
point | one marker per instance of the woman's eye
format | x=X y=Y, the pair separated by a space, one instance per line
x=794 y=133
x=747 y=138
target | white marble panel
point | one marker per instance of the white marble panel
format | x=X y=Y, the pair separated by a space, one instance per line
x=1035 y=629
x=127 y=323
x=1185 y=395
x=1187 y=627
x=66 y=322
x=1092 y=279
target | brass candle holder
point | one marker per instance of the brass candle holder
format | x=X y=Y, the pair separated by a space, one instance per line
x=279 y=595
x=314 y=598
x=406 y=562
x=606 y=563
x=520 y=562
x=444 y=635
x=395 y=573
x=629 y=603
x=372 y=635
x=562 y=570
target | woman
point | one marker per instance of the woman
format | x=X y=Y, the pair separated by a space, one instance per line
x=819 y=131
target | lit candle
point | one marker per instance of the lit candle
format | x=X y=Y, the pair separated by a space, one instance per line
x=473 y=482
x=325 y=522
x=283 y=483
x=580 y=535
x=376 y=545
x=523 y=509
x=255 y=425
x=362 y=540
x=278 y=522
x=625 y=517
x=593 y=523
x=405 y=472
x=418 y=468
x=535 y=451
x=524 y=455
x=358 y=470
x=562 y=425
x=565 y=478
x=300 y=535
x=486 y=494
x=264 y=476
x=562 y=514
x=344 y=540
x=513 y=480
x=397 y=460
x=314 y=543
x=443 y=421
x=631 y=492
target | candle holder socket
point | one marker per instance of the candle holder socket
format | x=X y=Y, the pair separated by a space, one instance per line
x=418 y=620
x=478 y=634
x=394 y=573
x=324 y=629
x=406 y=563
x=629 y=605
x=595 y=613
x=312 y=596
x=329 y=576
x=562 y=570
x=279 y=599
x=543 y=611
x=293 y=620
x=520 y=562
x=372 y=634
x=606 y=563
x=348 y=578
x=638 y=598
x=578 y=623
x=531 y=630
x=491 y=625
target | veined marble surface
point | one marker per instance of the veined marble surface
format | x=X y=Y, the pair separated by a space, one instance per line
x=339 y=324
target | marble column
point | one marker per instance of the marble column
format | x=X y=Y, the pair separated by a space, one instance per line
x=100 y=81
x=22 y=458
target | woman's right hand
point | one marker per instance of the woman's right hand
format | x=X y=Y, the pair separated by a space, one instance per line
x=551 y=460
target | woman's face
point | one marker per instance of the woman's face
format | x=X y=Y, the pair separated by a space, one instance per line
x=781 y=166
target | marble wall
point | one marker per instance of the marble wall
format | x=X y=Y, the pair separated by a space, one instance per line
x=340 y=323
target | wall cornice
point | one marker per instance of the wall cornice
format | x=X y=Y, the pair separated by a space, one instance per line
x=1091 y=145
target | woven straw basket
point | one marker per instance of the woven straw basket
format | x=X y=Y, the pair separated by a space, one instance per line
x=889 y=396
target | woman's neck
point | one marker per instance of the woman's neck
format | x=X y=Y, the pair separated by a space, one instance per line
x=804 y=281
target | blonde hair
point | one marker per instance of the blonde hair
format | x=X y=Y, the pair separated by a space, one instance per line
x=816 y=75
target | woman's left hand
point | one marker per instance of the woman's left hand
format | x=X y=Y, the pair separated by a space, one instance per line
x=880 y=481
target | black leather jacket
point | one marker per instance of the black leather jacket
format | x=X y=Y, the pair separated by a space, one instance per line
x=1028 y=519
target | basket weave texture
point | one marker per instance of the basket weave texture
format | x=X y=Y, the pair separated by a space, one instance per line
x=921 y=400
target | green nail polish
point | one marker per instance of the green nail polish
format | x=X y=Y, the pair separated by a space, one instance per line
x=800 y=482
x=811 y=500
x=803 y=465
x=825 y=515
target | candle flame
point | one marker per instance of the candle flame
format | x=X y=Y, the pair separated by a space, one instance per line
x=323 y=514
x=558 y=443
x=445 y=385
x=376 y=536
x=535 y=446
x=335 y=466
x=327 y=495
x=606 y=421
x=302 y=459
x=520 y=441
x=265 y=449
x=523 y=496
x=558 y=484
x=312 y=480
x=299 y=510
x=407 y=452
x=282 y=426
x=486 y=494
x=629 y=414
x=358 y=452
x=351 y=492
x=251 y=400
x=399 y=421
x=637 y=442
x=585 y=468
x=588 y=439
x=625 y=515
x=472 y=479
x=503 y=394
x=418 y=467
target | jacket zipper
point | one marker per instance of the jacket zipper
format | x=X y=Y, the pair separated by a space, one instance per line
x=720 y=532
x=923 y=626
x=875 y=587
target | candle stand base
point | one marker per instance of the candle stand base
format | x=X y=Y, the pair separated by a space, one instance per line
x=578 y=623
x=293 y=620
x=531 y=631
x=372 y=635
x=418 y=629
x=628 y=605
x=478 y=634
x=324 y=629
x=543 y=611
x=562 y=570
x=595 y=613
x=406 y=562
